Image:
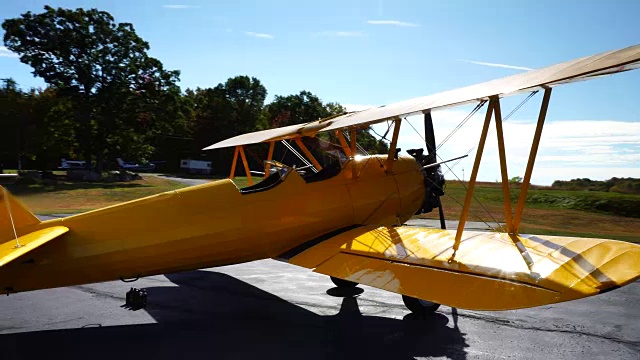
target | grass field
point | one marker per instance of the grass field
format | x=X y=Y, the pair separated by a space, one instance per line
x=557 y=212
x=552 y=217
x=65 y=197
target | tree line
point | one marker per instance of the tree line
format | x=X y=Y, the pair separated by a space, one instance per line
x=106 y=98
x=620 y=185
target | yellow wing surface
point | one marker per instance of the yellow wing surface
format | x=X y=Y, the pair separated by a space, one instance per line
x=489 y=272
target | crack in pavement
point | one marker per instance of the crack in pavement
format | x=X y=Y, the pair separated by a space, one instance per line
x=91 y=291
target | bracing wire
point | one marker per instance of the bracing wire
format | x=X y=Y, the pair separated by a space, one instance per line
x=465 y=187
x=383 y=137
x=299 y=156
x=471 y=212
x=450 y=168
x=363 y=151
x=464 y=121
x=491 y=130
x=358 y=146
x=476 y=199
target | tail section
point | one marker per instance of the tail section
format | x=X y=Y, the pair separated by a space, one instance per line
x=14 y=217
x=19 y=236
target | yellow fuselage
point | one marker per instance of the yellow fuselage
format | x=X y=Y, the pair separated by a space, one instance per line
x=215 y=224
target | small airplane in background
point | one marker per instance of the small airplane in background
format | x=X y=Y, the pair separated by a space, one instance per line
x=72 y=164
x=132 y=166
x=341 y=216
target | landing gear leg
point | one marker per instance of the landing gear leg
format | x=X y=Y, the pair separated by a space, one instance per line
x=420 y=307
x=136 y=299
x=343 y=284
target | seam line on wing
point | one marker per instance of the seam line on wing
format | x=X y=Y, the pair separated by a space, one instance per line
x=452 y=271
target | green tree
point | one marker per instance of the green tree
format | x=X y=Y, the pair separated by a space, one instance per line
x=298 y=109
x=212 y=116
x=370 y=143
x=306 y=107
x=37 y=127
x=56 y=132
x=101 y=66
x=229 y=109
x=11 y=112
x=246 y=97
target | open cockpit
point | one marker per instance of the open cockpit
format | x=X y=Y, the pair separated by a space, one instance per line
x=324 y=161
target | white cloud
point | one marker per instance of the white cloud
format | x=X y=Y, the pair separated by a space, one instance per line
x=393 y=23
x=259 y=35
x=504 y=66
x=341 y=34
x=595 y=149
x=4 y=52
x=180 y=6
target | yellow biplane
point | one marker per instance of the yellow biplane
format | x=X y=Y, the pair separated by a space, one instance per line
x=341 y=218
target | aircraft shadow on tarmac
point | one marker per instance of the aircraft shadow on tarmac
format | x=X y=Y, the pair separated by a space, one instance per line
x=214 y=315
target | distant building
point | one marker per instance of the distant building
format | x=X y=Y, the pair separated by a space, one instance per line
x=196 y=166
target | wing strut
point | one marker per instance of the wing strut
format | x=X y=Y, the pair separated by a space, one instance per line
x=393 y=152
x=472 y=180
x=353 y=143
x=503 y=164
x=306 y=151
x=240 y=150
x=532 y=159
x=512 y=220
x=267 y=164
x=343 y=143
x=299 y=156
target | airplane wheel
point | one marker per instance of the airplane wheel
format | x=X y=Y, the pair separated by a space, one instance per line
x=341 y=283
x=420 y=307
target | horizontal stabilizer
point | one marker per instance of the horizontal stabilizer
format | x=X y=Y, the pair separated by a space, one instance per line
x=16 y=248
x=489 y=271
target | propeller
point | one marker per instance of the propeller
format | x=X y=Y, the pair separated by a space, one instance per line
x=433 y=178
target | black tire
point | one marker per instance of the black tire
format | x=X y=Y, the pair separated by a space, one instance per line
x=420 y=307
x=341 y=283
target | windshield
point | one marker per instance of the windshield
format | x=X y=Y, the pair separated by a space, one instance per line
x=275 y=166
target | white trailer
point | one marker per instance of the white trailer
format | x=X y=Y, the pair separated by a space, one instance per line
x=196 y=166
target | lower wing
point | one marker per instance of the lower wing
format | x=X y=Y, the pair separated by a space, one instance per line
x=489 y=272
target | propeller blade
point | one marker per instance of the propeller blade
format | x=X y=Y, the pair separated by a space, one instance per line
x=429 y=137
x=430 y=142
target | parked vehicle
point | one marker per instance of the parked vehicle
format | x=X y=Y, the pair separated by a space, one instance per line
x=196 y=166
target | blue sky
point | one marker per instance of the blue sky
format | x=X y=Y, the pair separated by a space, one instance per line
x=366 y=53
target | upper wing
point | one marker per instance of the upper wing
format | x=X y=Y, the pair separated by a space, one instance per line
x=571 y=71
x=489 y=272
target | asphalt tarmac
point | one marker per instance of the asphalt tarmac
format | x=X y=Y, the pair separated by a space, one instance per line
x=268 y=309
